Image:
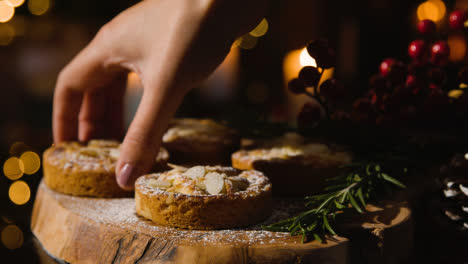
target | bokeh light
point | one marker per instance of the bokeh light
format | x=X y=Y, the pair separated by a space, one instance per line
x=431 y=9
x=7 y=34
x=13 y=168
x=17 y=148
x=31 y=162
x=6 y=12
x=19 y=192
x=14 y=3
x=246 y=42
x=261 y=29
x=455 y=93
x=457 y=44
x=12 y=237
x=38 y=7
x=466 y=156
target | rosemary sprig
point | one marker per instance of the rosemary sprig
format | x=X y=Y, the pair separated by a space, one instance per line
x=360 y=183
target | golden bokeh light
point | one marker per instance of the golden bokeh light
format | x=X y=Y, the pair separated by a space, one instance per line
x=13 y=168
x=31 y=162
x=305 y=59
x=38 y=7
x=12 y=237
x=432 y=9
x=19 y=192
x=261 y=29
x=455 y=93
x=246 y=42
x=6 y=12
x=17 y=148
x=457 y=44
x=14 y=3
x=7 y=34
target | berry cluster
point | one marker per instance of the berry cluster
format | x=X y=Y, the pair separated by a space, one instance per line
x=418 y=93
x=326 y=93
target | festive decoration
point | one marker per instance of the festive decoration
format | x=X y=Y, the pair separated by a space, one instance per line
x=351 y=190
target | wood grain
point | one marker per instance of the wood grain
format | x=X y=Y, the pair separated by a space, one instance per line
x=94 y=230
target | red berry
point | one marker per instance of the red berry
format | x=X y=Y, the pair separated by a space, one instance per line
x=426 y=27
x=417 y=49
x=440 y=52
x=309 y=115
x=310 y=75
x=332 y=89
x=393 y=70
x=457 y=19
x=322 y=53
x=297 y=86
x=463 y=75
x=386 y=66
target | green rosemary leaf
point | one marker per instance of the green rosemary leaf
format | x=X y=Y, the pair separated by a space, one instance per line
x=339 y=205
x=361 y=197
x=392 y=180
x=317 y=237
x=312 y=226
x=327 y=225
x=353 y=203
x=325 y=203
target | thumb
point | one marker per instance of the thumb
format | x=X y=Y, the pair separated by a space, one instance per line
x=143 y=139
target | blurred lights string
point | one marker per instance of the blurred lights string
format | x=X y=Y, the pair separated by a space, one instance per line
x=6 y=11
x=12 y=237
x=38 y=7
x=19 y=192
x=14 y=3
x=13 y=168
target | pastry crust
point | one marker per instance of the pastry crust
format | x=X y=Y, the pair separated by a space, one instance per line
x=200 y=142
x=295 y=166
x=197 y=209
x=87 y=169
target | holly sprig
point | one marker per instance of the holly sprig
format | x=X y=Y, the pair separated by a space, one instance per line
x=361 y=182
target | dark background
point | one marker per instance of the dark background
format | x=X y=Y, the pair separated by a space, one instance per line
x=362 y=32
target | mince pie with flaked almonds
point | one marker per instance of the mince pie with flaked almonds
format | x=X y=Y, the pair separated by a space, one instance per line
x=204 y=197
x=88 y=169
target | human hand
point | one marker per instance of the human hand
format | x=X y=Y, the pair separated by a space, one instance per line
x=172 y=45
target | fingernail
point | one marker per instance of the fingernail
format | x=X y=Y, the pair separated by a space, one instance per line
x=124 y=177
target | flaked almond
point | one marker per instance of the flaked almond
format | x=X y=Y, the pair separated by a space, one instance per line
x=99 y=143
x=195 y=172
x=157 y=183
x=88 y=152
x=114 y=153
x=214 y=183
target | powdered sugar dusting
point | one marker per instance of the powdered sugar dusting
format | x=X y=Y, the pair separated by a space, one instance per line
x=257 y=182
x=120 y=212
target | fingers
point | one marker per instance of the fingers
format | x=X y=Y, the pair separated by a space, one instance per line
x=142 y=141
x=79 y=81
x=101 y=114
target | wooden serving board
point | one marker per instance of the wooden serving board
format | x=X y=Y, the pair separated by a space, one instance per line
x=96 y=230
